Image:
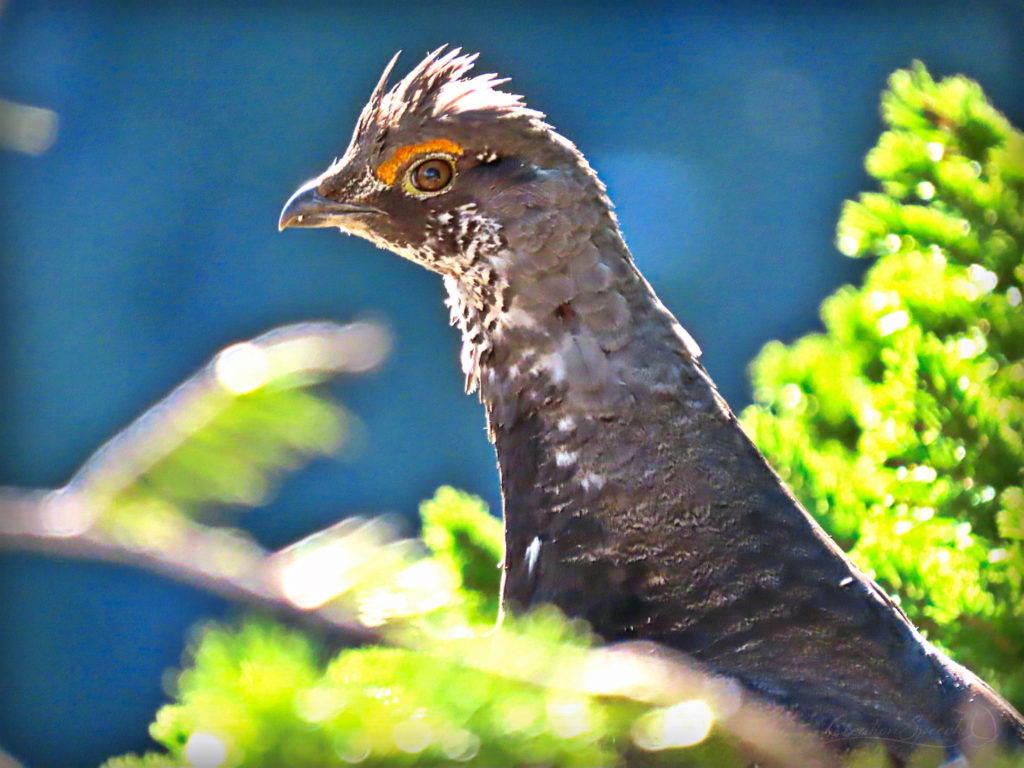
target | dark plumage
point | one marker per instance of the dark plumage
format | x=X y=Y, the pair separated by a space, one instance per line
x=632 y=497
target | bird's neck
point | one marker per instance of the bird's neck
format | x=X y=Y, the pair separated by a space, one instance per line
x=557 y=322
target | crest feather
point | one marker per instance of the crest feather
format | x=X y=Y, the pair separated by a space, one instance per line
x=438 y=86
x=373 y=106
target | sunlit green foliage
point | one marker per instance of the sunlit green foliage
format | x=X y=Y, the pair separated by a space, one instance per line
x=902 y=425
x=470 y=544
x=264 y=695
x=261 y=691
x=226 y=434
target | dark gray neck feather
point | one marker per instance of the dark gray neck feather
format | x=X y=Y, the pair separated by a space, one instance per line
x=554 y=315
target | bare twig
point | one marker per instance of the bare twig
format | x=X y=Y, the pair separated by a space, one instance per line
x=221 y=561
x=73 y=521
x=27 y=129
x=6 y=761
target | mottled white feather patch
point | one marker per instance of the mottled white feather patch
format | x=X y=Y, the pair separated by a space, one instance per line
x=517 y=317
x=565 y=458
x=553 y=364
x=532 y=553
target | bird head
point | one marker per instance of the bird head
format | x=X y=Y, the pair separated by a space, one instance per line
x=437 y=167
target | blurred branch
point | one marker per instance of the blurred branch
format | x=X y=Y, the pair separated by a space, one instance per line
x=229 y=564
x=207 y=415
x=218 y=438
x=27 y=129
x=6 y=761
x=658 y=677
x=221 y=561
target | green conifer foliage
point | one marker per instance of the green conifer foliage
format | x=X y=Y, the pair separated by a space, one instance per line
x=900 y=426
x=448 y=693
x=469 y=542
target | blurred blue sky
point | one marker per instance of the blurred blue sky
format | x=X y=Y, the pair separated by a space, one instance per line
x=145 y=239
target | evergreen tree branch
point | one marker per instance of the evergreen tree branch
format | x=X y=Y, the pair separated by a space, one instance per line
x=229 y=564
x=220 y=561
x=901 y=425
x=219 y=438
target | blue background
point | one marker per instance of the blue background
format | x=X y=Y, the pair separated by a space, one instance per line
x=145 y=240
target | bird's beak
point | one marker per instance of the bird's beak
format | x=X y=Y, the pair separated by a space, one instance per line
x=308 y=208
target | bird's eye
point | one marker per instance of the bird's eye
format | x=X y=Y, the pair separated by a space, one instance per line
x=430 y=176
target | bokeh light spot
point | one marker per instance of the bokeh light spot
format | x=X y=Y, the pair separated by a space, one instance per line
x=681 y=725
x=241 y=368
x=460 y=745
x=569 y=716
x=412 y=736
x=353 y=749
x=204 y=750
x=935 y=151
